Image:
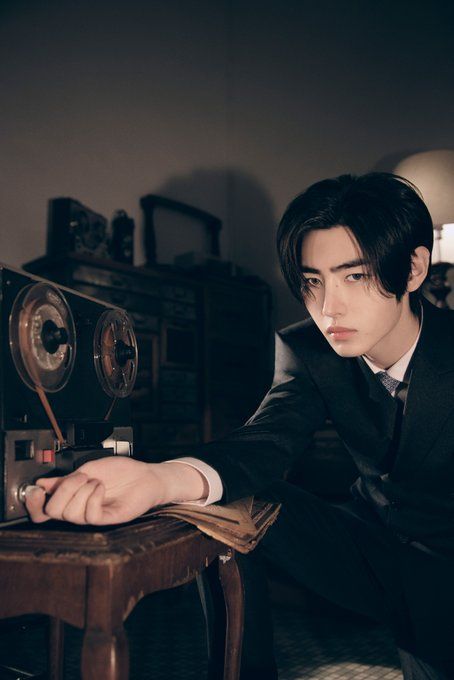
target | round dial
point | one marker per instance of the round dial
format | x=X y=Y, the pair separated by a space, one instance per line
x=115 y=353
x=42 y=337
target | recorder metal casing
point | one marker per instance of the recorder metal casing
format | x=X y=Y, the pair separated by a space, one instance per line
x=77 y=355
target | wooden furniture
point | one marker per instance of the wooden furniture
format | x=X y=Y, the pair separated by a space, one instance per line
x=93 y=578
x=205 y=345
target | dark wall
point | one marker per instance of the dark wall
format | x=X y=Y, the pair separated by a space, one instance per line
x=233 y=105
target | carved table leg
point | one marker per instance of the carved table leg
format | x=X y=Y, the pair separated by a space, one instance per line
x=56 y=648
x=232 y=586
x=105 y=655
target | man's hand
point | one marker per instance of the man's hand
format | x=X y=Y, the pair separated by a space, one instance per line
x=112 y=490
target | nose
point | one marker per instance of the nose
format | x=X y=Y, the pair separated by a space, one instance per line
x=333 y=301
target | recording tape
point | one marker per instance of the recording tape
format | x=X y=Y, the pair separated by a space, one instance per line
x=115 y=353
x=43 y=344
x=42 y=337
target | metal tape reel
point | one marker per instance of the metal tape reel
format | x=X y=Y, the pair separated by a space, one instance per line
x=42 y=337
x=115 y=353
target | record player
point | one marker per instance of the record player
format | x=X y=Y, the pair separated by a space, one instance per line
x=69 y=364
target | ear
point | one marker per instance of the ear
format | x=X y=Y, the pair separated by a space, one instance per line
x=420 y=261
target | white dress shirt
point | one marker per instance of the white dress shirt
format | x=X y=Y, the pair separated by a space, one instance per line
x=215 y=488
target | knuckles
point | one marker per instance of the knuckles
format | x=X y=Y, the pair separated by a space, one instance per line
x=63 y=503
x=73 y=518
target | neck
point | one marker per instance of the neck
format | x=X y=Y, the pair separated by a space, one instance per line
x=397 y=342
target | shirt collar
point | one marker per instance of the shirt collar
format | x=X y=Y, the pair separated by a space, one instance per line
x=399 y=369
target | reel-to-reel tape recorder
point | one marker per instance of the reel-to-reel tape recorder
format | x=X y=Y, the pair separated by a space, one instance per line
x=69 y=363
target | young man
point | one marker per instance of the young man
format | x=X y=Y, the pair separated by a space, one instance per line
x=379 y=362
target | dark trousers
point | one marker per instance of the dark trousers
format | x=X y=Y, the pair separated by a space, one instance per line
x=342 y=553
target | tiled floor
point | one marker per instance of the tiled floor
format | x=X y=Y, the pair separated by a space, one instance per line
x=332 y=649
x=167 y=642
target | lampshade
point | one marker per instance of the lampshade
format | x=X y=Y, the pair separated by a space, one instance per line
x=447 y=243
x=433 y=173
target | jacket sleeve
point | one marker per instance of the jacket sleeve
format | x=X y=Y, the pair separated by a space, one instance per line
x=263 y=450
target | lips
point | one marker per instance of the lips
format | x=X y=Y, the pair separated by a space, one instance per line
x=340 y=332
x=339 y=329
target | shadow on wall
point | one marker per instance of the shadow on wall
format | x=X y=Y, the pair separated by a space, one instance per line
x=248 y=233
x=248 y=214
x=390 y=161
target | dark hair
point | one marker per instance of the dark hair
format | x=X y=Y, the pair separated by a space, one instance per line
x=385 y=214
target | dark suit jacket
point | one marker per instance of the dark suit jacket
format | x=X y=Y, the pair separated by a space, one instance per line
x=414 y=496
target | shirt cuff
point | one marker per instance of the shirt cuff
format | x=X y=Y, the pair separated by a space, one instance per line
x=215 y=488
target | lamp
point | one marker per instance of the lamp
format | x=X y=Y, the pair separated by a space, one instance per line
x=432 y=172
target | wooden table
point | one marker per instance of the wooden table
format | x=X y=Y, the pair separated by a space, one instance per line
x=92 y=579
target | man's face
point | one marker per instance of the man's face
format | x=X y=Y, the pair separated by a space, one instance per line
x=346 y=304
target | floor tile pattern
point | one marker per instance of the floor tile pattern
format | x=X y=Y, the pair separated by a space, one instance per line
x=332 y=649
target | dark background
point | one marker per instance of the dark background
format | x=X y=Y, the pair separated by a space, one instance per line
x=232 y=105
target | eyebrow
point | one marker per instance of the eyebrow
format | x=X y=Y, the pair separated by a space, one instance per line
x=339 y=267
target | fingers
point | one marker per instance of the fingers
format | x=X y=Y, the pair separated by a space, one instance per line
x=74 y=498
x=70 y=496
x=35 y=498
x=62 y=491
x=94 y=512
x=49 y=484
x=76 y=509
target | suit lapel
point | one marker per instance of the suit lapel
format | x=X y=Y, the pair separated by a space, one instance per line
x=361 y=408
x=430 y=394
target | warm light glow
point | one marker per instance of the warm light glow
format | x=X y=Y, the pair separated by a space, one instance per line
x=447 y=243
x=433 y=173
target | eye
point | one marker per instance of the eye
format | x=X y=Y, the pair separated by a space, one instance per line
x=312 y=281
x=356 y=276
